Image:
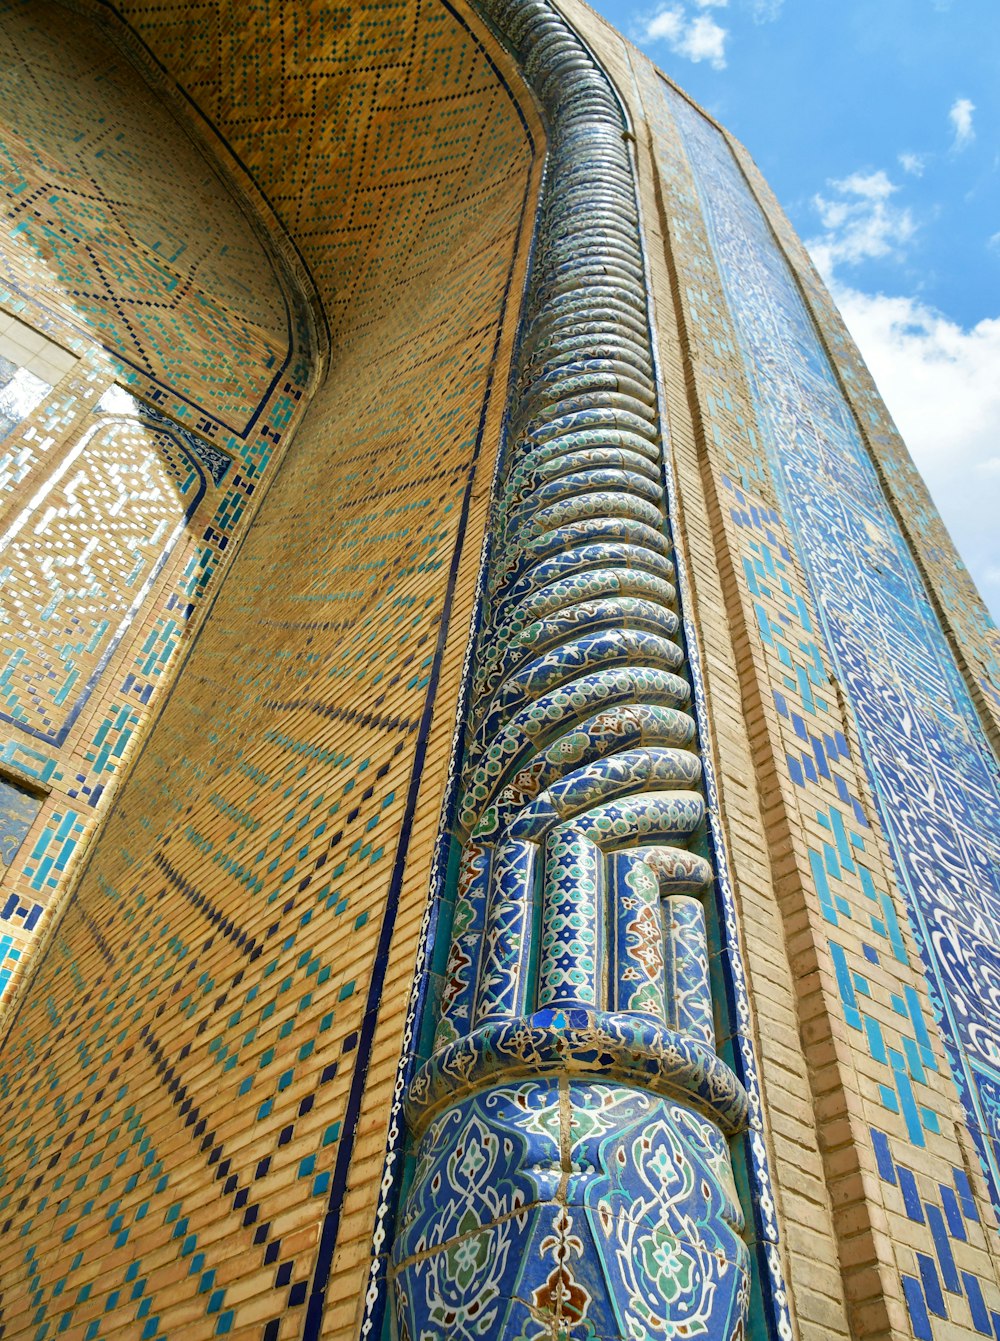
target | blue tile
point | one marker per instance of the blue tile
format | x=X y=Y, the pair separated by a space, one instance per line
x=888 y=1096
x=914 y=1126
x=911 y=1196
x=820 y=756
x=942 y=1245
x=932 y=1286
x=883 y=1156
x=876 y=1044
x=965 y=1193
x=974 y=1294
x=844 y=980
x=952 y=1214
x=919 y=1320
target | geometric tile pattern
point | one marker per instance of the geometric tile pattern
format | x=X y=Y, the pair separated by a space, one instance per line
x=99 y=191
x=935 y=1285
x=118 y=515
x=197 y=1087
x=218 y=976
x=934 y=776
x=95 y=537
x=308 y=101
x=79 y=559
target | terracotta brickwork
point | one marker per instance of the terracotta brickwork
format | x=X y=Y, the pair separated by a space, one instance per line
x=204 y=1013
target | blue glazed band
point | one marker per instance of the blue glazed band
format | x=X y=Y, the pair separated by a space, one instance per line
x=587 y=1045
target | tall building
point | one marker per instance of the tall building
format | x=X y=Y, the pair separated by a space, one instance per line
x=499 y=794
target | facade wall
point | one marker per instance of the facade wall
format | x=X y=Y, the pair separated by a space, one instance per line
x=195 y=1095
x=825 y=732
x=255 y=339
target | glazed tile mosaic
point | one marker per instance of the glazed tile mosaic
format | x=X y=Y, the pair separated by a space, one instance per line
x=310 y=111
x=973 y=635
x=554 y=982
x=882 y=992
x=164 y=298
x=79 y=560
x=571 y=956
x=116 y=514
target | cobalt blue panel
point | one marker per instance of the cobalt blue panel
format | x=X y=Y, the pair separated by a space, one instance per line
x=935 y=779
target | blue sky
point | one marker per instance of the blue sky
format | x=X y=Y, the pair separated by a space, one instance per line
x=877 y=124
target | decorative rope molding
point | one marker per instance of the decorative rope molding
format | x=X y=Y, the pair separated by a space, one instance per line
x=571 y=1164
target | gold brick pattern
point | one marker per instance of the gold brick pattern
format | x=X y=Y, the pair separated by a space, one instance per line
x=354 y=122
x=306 y=281
x=217 y=976
x=196 y=310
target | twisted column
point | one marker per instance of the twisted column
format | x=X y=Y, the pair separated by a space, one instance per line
x=572 y=1176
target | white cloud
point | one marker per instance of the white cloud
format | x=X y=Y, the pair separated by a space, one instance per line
x=914 y=164
x=940 y=384
x=696 y=36
x=860 y=222
x=960 y=116
x=937 y=378
x=705 y=41
x=868 y=185
x=666 y=24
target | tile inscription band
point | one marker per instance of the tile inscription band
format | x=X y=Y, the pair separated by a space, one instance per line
x=570 y=1123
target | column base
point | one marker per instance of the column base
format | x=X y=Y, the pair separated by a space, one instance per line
x=558 y=1208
